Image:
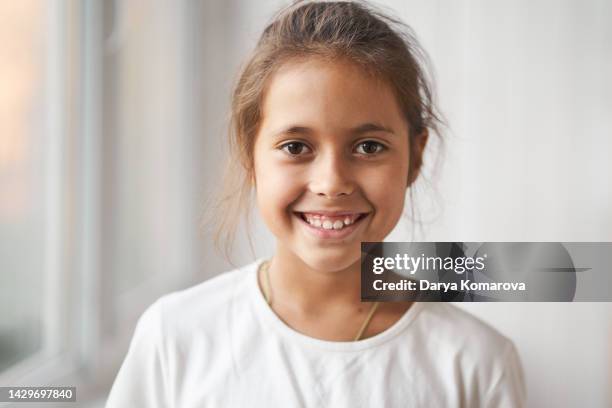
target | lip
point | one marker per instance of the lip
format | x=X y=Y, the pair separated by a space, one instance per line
x=332 y=234
x=332 y=213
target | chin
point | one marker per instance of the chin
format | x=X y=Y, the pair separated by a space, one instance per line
x=331 y=260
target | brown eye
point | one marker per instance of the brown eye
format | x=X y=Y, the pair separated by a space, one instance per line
x=370 y=148
x=294 y=148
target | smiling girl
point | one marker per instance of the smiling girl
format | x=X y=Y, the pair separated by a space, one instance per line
x=330 y=118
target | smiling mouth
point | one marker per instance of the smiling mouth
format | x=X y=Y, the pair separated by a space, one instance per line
x=329 y=222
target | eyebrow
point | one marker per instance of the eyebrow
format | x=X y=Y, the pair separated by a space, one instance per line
x=363 y=128
x=371 y=127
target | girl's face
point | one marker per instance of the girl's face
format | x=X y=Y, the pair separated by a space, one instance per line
x=331 y=162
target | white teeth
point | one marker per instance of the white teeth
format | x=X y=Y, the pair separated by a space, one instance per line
x=328 y=224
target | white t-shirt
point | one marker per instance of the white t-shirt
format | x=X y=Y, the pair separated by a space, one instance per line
x=218 y=344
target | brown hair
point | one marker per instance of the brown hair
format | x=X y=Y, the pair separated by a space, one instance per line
x=382 y=46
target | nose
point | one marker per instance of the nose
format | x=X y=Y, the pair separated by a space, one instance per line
x=331 y=176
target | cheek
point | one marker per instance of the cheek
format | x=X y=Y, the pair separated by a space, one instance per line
x=386 y=190
x=388 y=199
x=277 y=188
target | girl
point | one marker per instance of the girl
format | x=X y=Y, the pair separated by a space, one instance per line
x=330 y=117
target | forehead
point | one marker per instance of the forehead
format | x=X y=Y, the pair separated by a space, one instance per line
x=330 y=95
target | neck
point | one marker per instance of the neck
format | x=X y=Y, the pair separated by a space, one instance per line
x=311 y=290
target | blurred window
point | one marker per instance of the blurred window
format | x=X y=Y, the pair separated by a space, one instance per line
x=23 y=155
x=99 y=188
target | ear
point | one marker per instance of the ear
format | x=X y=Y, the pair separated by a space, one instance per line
x=417 y=147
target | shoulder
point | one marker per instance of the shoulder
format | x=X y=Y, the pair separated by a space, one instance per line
x=488 y=360
x=200 y=307
x=456 y=330
x=214 y=292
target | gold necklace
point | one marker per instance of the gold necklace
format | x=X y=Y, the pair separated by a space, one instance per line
x=267 y=289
